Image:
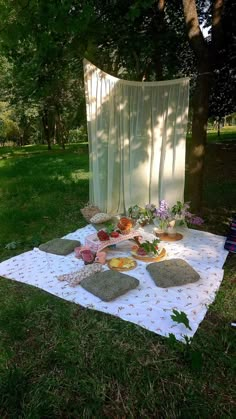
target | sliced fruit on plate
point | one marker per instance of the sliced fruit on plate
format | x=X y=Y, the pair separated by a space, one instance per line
x=122 y=263
x=115 y=263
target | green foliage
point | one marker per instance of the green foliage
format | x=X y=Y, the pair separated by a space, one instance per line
x=191 y=355
x=12 y=245
x=9 y=128
x=180 y=317
x=150 y=247
x=141 y=215
x=77 y=135
x=45 y=45
x=177 y=208
x=109 y=227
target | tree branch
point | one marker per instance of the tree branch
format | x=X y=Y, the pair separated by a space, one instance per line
x=161 y=5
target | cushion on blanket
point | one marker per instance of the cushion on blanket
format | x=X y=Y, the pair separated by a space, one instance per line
x=59 y=246
x=172 y=273
x=109 y=285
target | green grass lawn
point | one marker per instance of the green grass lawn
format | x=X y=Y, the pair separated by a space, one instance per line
x=226 y=133
x=59 y=360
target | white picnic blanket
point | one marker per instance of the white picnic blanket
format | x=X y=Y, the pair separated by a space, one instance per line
x=148 y=305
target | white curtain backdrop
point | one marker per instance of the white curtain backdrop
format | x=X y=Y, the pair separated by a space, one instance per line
x=137 y=136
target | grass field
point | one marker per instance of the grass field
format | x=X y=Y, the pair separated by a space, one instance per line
x=59 y=360
x=226 y=133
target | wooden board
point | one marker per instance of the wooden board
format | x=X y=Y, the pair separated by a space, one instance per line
x=170 y=238
x=158 y=258
x=122 y=269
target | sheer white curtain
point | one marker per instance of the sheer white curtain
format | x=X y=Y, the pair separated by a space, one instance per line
x=137 y=135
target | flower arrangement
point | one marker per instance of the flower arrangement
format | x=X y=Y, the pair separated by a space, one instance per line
x=165 y=216
x=180 y=213
x=142 y=215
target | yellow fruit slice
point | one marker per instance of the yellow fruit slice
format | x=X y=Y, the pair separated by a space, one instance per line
x=114 y=263
x=124 y=262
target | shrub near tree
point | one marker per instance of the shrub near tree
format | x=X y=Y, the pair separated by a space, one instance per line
x=9 y=129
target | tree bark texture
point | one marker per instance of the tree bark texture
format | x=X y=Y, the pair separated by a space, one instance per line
x=205 y=54
x=46 y=128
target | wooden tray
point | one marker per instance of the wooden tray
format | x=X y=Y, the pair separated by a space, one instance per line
x=158 y=258
x=170 y=238
x=120 y=268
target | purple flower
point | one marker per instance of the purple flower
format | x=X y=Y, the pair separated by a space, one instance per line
x=163 y=211
x=196 y=220
x=180 y=211
x=187 y=214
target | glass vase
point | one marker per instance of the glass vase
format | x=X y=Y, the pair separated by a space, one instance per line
x=171 y=229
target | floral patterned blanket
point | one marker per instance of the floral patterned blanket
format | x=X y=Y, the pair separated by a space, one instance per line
x=148 y=306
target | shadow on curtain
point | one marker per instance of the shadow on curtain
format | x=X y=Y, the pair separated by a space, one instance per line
x=137 y=138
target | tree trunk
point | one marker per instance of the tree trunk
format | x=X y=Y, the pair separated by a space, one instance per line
x=205 y=55
x=60 y=132
x=198 y=143
x=46 y=129
x=200 y=105
x=218 y=128
x=55 y=131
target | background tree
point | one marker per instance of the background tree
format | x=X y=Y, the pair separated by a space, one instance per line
x=207 y=55
x=43 y=43
x=222 y=98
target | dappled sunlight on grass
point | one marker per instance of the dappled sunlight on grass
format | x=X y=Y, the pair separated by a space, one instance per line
x=75 y=176
x=46 y=189
x=3 y=163
x=79 y=175
x=226 y=133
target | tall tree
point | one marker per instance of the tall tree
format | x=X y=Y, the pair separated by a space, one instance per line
x=222 y=99
x=166 y=26
x=207 y=54
x=45 y=43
